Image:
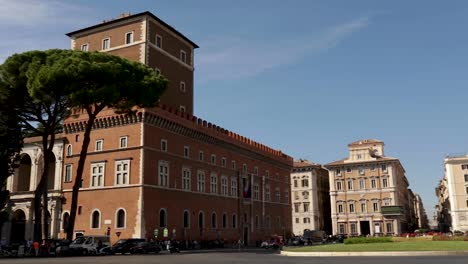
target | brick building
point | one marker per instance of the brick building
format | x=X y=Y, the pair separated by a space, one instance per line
x=166 y=172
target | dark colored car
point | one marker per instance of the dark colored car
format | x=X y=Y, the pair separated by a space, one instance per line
x=123 y=246
x=145 y=248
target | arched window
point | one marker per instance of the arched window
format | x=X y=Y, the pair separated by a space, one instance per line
x=201 y=220
x=69 y=150
x=224 y=220
x=95 y=219
x=186 y=219
x=162 y=218
x=213 y=220
x=234 y=221
x=120 y=223
x=65 y=219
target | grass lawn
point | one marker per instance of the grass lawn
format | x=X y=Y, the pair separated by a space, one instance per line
x=391 y=246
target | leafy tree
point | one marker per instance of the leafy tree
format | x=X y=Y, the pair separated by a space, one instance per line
x=98 y=81
x=32 y=84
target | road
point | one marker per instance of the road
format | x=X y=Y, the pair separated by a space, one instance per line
x=237 y=258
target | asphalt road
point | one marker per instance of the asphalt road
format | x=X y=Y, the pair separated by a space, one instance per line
x=237 y=258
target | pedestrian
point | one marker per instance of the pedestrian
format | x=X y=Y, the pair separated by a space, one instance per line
x=36 y=248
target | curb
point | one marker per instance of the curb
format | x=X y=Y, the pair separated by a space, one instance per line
x=371 y=254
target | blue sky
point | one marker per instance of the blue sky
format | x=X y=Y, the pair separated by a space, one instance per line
x=305 y=77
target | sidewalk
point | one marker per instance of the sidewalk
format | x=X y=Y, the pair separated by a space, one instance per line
x=373 y=254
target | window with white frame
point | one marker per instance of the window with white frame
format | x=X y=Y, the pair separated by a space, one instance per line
x=362 y=184
x=306 y=207
x=128 y=37
x=123 y=142
x=120 y=219
x=296 y=207
x=338 y=172
x=234 y=191
x=99 y=144
x=69 y=150
x=389 y=227
x=223 y=162
x=224 y=185
x=182 y=87
x=373 y=182
x=306 y=220
x=186 y=152
x=295 y=183
x=341 y=228
x=201 y=156
x=305 y=182
x=183 y=56
x=361 y=170
x=277 y=195
x=351 y=207
x=363 y=206
x=359 y=156
x=384 y=167
x=375 y=205
x=106 y=43
x=267 y=192
x=256 y=191
x=384 y=182
x=163 y=145
x=201 y=181
x=214 y=183
x=97 y=174
x=340 y=208
x=213 y=159
x=85 y=47
x=186 y=179
x=68 y=173
x=163 y=179
x=158 y=41
x=122 y=172
x=339 y=185
x=350 y=184
x=353 y=228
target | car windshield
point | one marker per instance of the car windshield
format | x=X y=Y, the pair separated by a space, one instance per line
x=79 y=240
x=121 y=241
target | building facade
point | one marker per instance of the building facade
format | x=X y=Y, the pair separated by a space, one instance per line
x=442 y=212
x=369 y=192
x=453 y=194
x=310 y=197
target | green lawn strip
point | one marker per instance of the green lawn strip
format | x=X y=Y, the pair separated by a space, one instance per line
x=395 y=246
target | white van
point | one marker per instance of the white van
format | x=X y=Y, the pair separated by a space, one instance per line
x=90 y=244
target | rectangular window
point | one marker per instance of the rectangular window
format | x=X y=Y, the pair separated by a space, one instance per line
x=68 y=173
x=182 y=87
x=244 y=168
x=106 y=43
x=363 y=207
x=84 y=47
x=223 y=162
x=214 y=183
x=295 y=183
x=201 y=157
x=387 y=202
x=129 y=38
x=122 y=172
x=359 y=156
x=286 y=196
x=342 y=228
x=384 y=182
x=376 y=206
x=340 y=208
x=306 y=220
x=224 y=185
x=163 y=145
x=384 y=167
x=186 y=179
x=183 y=56
x=233 y=164
x=123 y=142
x=351 y=208
x=305 y=183
x=466 y=189
x=186 y=152
x=362 y=184
x=296 y=207
x=256 y=192
x=389 y=228
x=234 y=187
x=297 y=220
x=97 y=174
x=159 y=41
x=350 y=184
x=372 y=167
x=373 y=184
x=267 y=193
x=255 y=171
x=339 y=186
x=306 y=207
x=277 y=196
x=201 y=181
x=99 y=144
x=353 y=228
x=349 y=170
x=338 y=172
x=466 y=177
x=213 y=159
x=163 y=174
x=361 y=170
x=464 y=166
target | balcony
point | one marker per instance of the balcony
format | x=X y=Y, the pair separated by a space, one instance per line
x=392 y=210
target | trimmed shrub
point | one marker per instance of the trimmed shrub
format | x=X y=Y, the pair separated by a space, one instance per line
x=364 y=240
x=449 y=238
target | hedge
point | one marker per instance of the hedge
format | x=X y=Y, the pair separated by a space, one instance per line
x=363 y=240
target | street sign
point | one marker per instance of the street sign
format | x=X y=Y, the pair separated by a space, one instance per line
x=165 y=232
x=156 y=232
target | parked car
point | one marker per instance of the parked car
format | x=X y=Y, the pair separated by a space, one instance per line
x=145 y=248
x=87 y=245
x=122 y=246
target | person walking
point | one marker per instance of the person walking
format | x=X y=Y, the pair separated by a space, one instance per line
x=36 y=248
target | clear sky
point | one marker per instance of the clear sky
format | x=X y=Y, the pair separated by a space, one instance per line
x=305 y=77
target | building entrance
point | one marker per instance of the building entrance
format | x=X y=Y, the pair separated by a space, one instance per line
x=246 y=236
x=18 y=225
x=365 y=228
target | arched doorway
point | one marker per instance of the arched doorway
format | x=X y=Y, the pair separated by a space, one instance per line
x=18 y=225
x=51 y=173
x=24 y=175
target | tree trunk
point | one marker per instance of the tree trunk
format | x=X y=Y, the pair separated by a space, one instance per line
x=79 y=174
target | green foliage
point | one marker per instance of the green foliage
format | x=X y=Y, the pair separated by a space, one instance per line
x=381 y=247
x=449 y=238
x=365 y=240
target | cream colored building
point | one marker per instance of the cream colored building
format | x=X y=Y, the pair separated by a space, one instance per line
x=456 y=175
x=310 y=197
x=442 y=214
x=369 y=192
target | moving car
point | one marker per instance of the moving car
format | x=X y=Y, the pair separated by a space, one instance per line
x=145 y=248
